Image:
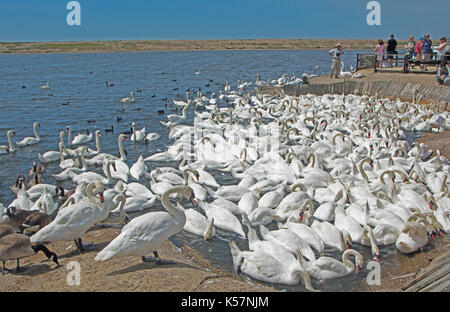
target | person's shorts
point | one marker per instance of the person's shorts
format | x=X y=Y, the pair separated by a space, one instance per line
x=426 y=56
x=390 y=54
x=379 y=57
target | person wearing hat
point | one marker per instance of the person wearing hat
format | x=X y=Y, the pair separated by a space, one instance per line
x=336 y=54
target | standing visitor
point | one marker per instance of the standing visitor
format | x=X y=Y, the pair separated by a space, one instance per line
x=410 y=45
x=418 y=50
x=426 y=49
x=442 y=49
x=336 y=54
x=379 y=51
x=390 y=49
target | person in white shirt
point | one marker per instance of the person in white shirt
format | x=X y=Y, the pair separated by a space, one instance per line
x=443 y=48
x=336 y=54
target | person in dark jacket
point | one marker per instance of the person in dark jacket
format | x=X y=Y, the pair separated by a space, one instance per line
x=391 y=49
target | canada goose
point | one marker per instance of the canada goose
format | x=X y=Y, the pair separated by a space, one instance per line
x=15 y=246
x=37 y=168
x=14 y=217
x=36 y=218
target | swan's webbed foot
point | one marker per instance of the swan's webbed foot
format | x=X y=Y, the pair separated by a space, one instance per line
x=156 y=259
x=18 y=269
x=5 y=270
x=83 y=247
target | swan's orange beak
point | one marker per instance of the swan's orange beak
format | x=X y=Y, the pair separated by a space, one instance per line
x=301 y=216
x=430 y=204
x=14 y=133
x=358 y=268
x=347 y=246
x=377 y=258
x=125 y=138
x=198 y=177
x=102 y=198
x=114 y=167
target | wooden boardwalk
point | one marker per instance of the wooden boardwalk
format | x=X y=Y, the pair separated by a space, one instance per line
x=434 y=278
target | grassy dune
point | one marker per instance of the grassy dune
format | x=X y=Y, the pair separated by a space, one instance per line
x=183 y=45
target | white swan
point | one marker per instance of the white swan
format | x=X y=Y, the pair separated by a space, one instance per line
x=30 y=140
x=262 y=266
x=50 y=156
x=46 y=86
x=137 y=135
x=99 y=159
x=88 y=177
x=45 y=203
x=66 y=163
x=223 y=218
x=75 y=220
x=128 y=99
x=4 y=149
x=289 y=240
x=414 y=236
x=343 y=73
x=70 y=173
x=331 y=235
x=138 y=169
x=91 y=152
x=198 y=224
x=135 y=188
x=82 y=138
x=144 y=234
x=138 y=203
x=305 y=233
x=326 y=268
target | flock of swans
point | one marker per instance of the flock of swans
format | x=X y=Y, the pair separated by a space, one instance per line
x=310 y=173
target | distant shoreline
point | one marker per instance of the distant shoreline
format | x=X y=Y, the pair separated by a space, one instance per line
x=183 y=45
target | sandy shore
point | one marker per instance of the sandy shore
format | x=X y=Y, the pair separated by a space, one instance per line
x=190 y=273
x=184 y=45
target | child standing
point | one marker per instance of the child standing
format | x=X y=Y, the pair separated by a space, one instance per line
x=379 y=51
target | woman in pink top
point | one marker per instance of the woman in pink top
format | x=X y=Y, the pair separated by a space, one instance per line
x=379 y=51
